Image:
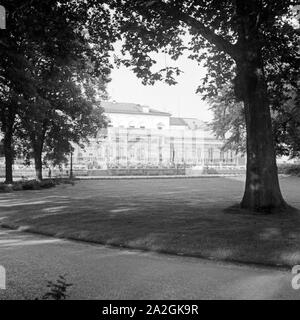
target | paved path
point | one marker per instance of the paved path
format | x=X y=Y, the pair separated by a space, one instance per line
x=99 y=272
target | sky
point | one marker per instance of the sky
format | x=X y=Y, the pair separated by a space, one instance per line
x=180 y=100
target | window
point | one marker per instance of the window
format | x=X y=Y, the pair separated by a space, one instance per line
x=211 y=154
x=142 y=125
x=131 y=124
x=222 y=158
x=160 y=126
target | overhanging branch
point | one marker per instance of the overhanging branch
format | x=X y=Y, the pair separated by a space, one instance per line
x=221 y=43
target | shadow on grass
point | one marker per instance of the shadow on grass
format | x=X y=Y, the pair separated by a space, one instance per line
x=147 y=216
x=8 y=240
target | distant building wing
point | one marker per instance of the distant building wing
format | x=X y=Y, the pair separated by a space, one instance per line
x=177 y=122
x=130 y=108
x=194 y=124
x=189 y=123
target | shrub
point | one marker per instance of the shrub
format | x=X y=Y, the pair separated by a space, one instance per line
x=17 y=186
x=209 y=170
x=36 y=185
x=47 y=184
x=57 y=290
x=292 y=169
x=31 y=185
x=64 y=181
x=5 y=187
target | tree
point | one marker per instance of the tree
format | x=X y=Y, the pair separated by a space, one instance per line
x=45 y=40
x=286 y=126
x=235 y=39
x=63 y=108
x=69 y=115
x=14 y=81
x=229 y=120
x=229 y=124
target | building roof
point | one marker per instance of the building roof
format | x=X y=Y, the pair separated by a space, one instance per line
x=177 y=122
x=194 y=124
x=130 y=108
x=191 y=123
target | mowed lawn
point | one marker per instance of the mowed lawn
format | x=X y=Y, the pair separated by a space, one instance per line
x=182 y=216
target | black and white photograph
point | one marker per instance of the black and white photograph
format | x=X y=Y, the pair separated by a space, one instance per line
x=149 y=153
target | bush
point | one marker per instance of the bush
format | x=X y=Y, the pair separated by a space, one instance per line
x=31 y=185
x=64 y=181
x=292 y=169
x=5 y=188
x=18 y=186
x=36 y=185
x=47 y=184
x=57 y=290
x=209 y=170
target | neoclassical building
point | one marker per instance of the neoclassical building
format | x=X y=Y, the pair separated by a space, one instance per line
x=139 y=136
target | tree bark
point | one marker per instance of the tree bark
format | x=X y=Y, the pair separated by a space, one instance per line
x=38 y=145
x=8 y=119
x=262 y=190
x=38 y=165
x=9 y=157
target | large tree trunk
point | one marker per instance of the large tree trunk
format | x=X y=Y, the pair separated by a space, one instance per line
x=38 y=164
x=262 y=191
x=9 y=157
x=8 y=120
x=38 y=167
x=38 y=140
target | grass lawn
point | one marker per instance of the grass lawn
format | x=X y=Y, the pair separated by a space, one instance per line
x=182 y=216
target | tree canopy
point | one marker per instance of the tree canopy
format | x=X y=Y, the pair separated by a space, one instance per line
x=229 y=122
x=242 y=44
x=54 y=62
x=214 y=27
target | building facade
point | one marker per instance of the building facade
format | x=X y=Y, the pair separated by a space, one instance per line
x=139 y=136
